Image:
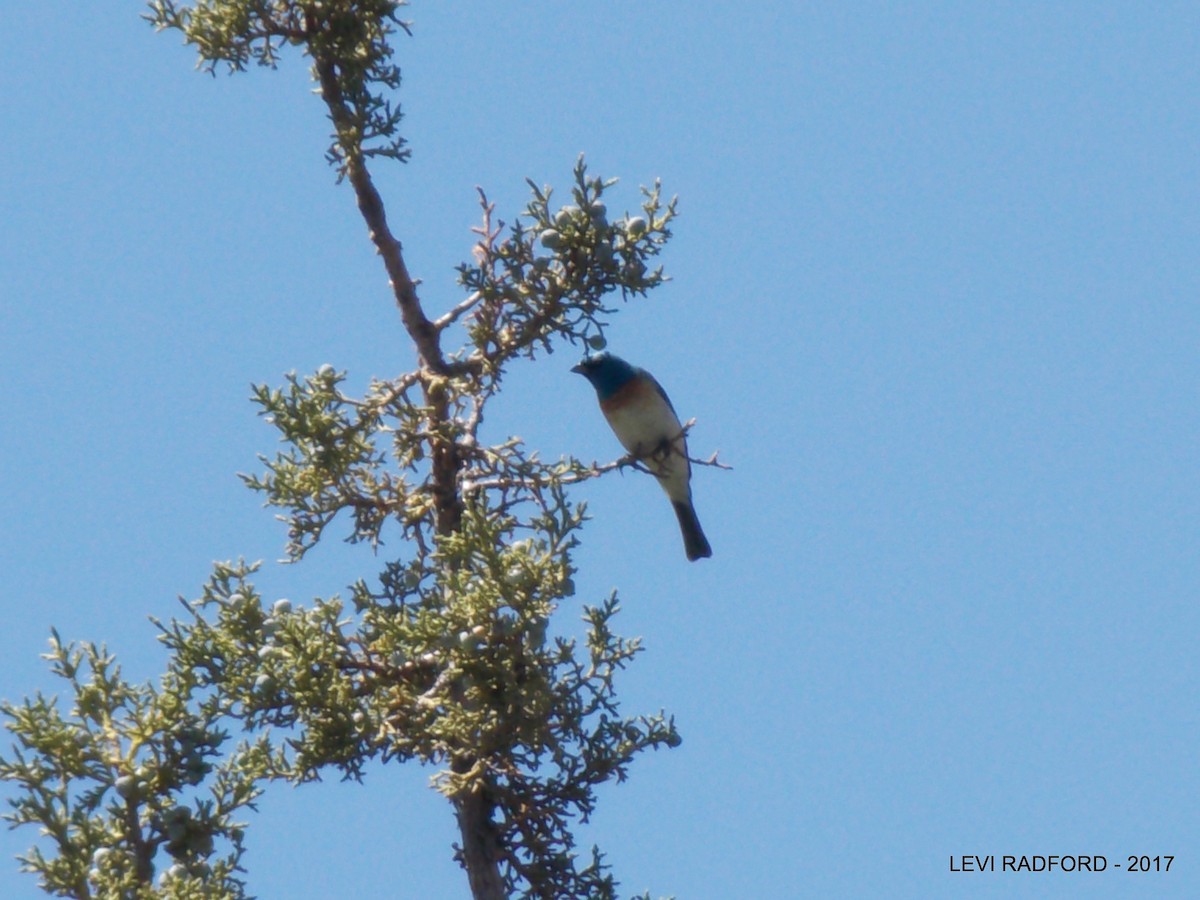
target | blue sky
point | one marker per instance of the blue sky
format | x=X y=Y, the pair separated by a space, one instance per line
x=935 y=298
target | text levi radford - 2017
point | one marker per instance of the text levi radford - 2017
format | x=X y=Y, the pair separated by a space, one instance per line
x=1055 y=863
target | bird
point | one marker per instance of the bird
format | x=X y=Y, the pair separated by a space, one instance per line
x=644 y=421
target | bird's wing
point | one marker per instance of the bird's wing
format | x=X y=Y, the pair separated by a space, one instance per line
x=658 y=387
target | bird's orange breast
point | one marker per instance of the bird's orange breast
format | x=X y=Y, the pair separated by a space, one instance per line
x=635 y=390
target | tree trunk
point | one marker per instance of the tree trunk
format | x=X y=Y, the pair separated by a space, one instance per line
x=480 y=855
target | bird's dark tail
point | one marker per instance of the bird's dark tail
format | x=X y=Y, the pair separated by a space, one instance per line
x=694 y=541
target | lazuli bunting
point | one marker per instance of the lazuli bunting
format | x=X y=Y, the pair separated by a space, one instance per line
x=644 y=421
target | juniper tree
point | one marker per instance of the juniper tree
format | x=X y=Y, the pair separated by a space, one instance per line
x=443 y=656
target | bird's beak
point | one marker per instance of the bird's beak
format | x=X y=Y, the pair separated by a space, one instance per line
x=578 y=370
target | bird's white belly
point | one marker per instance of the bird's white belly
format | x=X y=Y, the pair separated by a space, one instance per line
x=644 y=429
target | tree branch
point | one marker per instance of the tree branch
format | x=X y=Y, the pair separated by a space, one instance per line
x=480 y=854
x=370 y=204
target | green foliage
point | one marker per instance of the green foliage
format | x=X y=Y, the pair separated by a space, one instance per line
x=527 y=297
x=131 y=778
x=349 y=36
x=443 y=657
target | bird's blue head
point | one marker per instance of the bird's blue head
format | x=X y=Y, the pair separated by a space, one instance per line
x=606 y=372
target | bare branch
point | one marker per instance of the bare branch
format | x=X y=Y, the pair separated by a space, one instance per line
x=370 y=204
x=447 y=319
